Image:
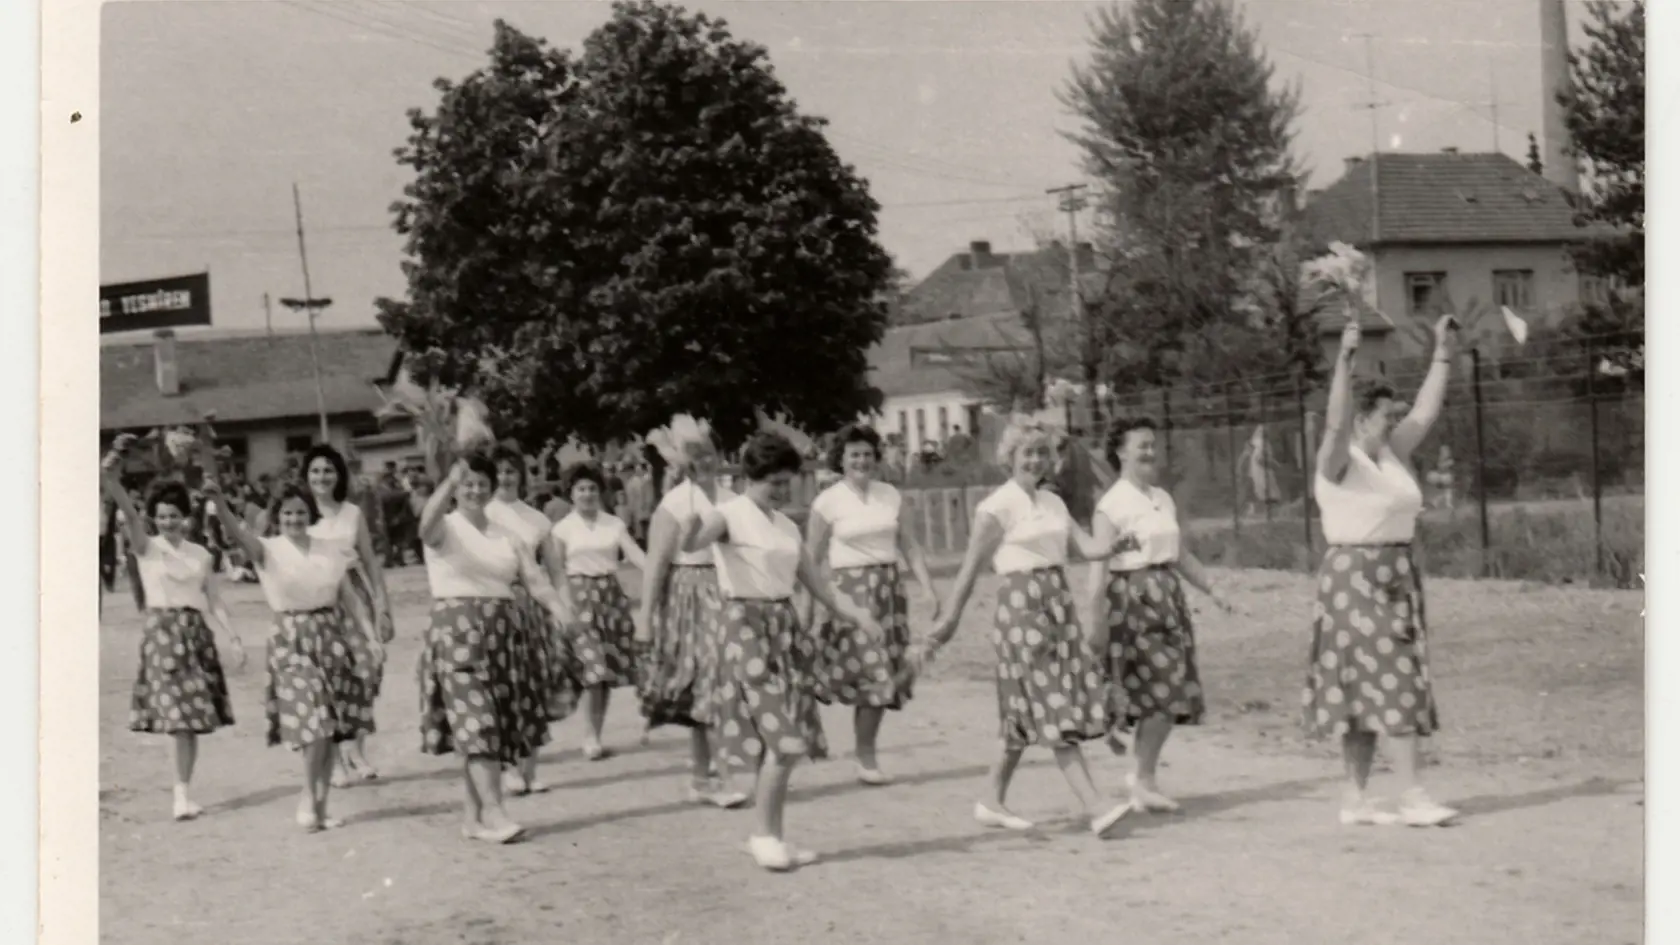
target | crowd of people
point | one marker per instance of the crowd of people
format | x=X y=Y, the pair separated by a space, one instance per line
x=746 y=624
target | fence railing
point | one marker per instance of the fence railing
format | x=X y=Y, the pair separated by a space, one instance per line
x=1534 y=470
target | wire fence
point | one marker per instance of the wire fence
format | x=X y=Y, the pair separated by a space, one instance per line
x=1534 y=470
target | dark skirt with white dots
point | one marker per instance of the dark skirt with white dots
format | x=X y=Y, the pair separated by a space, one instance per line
x=679 y=669
x=766 y=702
x=1369 y=662
x=181 y=689
x=854 y=668
x=479 y=695
x=543 y=644
x=317 y=688
x=603 y=640
x=1049 y=683
x=1151 y=650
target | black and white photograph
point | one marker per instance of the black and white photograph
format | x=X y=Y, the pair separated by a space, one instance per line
x=732 y=473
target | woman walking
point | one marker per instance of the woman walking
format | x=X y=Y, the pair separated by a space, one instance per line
x=765 y=710
x=1369 y=663
x=478 y=696
x=678 y=622
x=1049 y=684
x=856 y=529
x=540 y=638
x=1138 y=598
x=362 y=597
x=314 y=700
x=180 y=689
x=583 y=559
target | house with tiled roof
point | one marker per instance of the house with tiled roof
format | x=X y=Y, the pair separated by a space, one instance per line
x=1447 y=231
x=930 y=367
x=261 y=389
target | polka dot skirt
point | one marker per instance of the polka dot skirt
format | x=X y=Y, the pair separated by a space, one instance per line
x=1151 y=650
x=602 y=640
x=1049 y=684
x=316 y=687
x=1369 y=669
x=682 y=660
x=543 y=643
x=180 y=688
x=355 y=600
x=478 y=693
x=766 y=701
x=858 y=670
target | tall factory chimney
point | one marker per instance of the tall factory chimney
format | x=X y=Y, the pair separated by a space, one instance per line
x=1560 y=168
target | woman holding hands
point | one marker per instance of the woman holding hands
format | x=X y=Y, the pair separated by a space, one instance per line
x=856 y=529
x=1369 y=665
x=1138 y=606
x=478 y=694
x=1049 y=683
x=764 y=708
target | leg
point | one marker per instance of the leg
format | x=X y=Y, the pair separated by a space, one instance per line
x=1417 y=809
x=186 y=759
x=867 y=724
x=484 y=781
x=1151 y=739
x=703 y=787
x=768 y=847
x=595 y=706
x=1071 y=759
x=992 y=811
x=1359 y=753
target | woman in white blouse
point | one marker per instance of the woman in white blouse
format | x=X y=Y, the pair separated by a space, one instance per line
x=363 y=597
x=542 y=638
x=1138 y=599
x=314 y=700
x=678 y=622
x=1369 y=667
x=856 y=529
x=765 y=711
x=1049 y=683
x=180 y=689
x=584 y=550
x=478 y=696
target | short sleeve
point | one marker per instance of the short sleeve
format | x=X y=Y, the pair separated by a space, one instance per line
x=1114 y=506
x=1054 y=505
x=825 y=504
x=999 y=506
x=1168 y=506
x=891 y=496
x=562 y=530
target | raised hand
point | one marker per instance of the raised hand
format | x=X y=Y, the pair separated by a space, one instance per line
x=1351 y=336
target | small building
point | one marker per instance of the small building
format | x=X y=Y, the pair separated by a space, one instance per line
x=1465 y=233
x=262 y=391
x=935 y=369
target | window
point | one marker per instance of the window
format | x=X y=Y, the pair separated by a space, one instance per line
x=973 y=411
x=904 y=424
x=1514 y=289
x=239 y=453
x=299 y=443
x=921 y=427
x=1426 y=294
x=1595 y=290
x=944 y=424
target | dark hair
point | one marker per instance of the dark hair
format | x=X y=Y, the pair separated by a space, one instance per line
x=322 y=450
x=508 y=453
x=767 y=454
x=1117 y=431
x=849 y=434
x=168 y=492
x=1367 y=394
x=288 y=492
x=482 y=465
x=584 y=472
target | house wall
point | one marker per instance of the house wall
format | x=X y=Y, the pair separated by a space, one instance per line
x=955 y=402
x=1470 y=284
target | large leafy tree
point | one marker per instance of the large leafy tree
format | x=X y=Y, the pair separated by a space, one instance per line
x=598 y=240
x=1190 y=140
x=1604 y=108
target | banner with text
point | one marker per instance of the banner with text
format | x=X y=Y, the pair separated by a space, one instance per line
x=155 y=303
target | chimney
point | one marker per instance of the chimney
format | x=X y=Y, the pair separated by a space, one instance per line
x=1449 y=150
x=1560 y=167
x=981 y=252
x=168 y=369
x=1349 y=164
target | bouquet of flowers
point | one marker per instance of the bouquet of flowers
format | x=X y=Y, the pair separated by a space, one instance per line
x=1341 y=276
x=447 y=423
x=671 y=440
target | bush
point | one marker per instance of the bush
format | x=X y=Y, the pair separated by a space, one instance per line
x=1549 y=542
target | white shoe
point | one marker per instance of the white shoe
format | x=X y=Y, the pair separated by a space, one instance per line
x=1145 y=799
x=988 y=817
x=770 y=853
x=874 y=777
x=1418 y=810
x=1362 y=812
x=184 y=808
x=1100 y=826
x=716 y=796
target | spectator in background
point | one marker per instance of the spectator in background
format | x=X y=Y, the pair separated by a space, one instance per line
x=639 y=499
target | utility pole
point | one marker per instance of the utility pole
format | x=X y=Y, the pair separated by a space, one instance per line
x=1371 y=104
x=310 y=306
x=1072 y=201
x=268 y=318
x=1493 y=103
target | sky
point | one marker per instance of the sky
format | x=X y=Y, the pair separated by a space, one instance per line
x=213 y=109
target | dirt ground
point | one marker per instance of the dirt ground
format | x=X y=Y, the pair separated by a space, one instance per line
x=1541 y=695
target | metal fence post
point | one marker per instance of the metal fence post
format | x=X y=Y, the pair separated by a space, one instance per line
x=1166 y=430
x=1236 y=481
x=1307 y=468
x=1481 y=455
x=1264 y=448
x=1597 y=487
